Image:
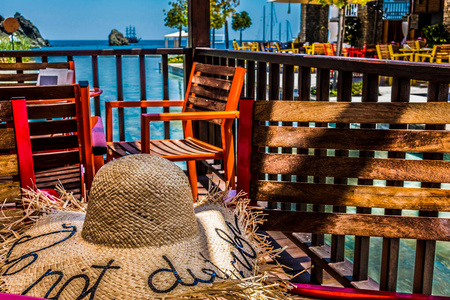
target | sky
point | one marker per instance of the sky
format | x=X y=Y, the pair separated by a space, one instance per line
x=94 y=19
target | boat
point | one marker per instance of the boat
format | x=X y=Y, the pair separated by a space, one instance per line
x=131 y=35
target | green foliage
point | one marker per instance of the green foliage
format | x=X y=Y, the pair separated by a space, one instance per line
x=227 y=7
x=356 y=90
x=20 y=43
x=217 y=20
x=176 y=17
x=436 y=34
x=342 y=3
x=241 y=21
x=175 y=59
x=352 y=31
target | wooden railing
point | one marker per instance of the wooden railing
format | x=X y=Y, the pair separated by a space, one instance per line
x=118 y=54
x=271 y=77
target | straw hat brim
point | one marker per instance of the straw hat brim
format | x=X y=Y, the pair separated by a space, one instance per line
x=223 y=249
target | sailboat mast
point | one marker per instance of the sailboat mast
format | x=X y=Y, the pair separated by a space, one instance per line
x=264 y=23
x=271 y=21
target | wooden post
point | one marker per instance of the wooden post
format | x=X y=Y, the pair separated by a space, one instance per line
x=198 y=23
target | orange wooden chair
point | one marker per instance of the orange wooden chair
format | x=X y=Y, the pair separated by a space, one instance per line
x=212 y=94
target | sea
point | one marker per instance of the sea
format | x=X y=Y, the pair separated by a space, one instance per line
x=107 y=82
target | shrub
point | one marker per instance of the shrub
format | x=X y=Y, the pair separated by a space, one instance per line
x=20 y=43
x=175 y=59
x=436 y=35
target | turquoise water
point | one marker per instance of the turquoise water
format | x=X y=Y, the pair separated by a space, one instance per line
x=107 y=80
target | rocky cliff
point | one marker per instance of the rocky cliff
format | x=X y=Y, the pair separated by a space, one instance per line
x=26 y=29
x=116 y=38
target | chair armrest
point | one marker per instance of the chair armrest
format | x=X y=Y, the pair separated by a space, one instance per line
x=145 y=103
x=98 y=136
x=190 y=116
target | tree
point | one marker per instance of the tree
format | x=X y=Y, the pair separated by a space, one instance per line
x=341 y=5
x=352 y=31
x=176 y=17
x=216 y=17
x=241 y=21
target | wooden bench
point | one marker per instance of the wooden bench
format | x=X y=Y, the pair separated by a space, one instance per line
x=64 y=137
x=320 y=173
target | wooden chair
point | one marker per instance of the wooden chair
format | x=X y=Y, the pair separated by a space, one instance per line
x=382 y=51
x=318 y=49
x=270 y=47
x=16 y=161
x=236 y=45
x=250 y=46
x=395 y=55
x=430 y=57
x=65 y=149
x=289 y=49
x=254 y=164
x=329 y=49
x=26 y=74
x=208 y=97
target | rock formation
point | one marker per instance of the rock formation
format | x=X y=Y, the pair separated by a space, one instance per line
x=26 y=29
x=117 y=39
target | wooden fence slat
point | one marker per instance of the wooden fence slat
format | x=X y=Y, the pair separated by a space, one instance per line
x=358 y=224
x=368 y=168
x=119 y=81
x=427 y=199
x=9 y=165
x=10 y=191
x=7 y=139
x=383 y=113
x=343 y=139
x=33 y=66
x=96 y=84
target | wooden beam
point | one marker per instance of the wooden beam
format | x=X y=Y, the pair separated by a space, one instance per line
x=198 y=23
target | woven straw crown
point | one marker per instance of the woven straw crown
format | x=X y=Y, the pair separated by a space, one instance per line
x=143 y=200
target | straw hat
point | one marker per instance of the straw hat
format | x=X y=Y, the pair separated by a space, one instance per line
x=140 y=238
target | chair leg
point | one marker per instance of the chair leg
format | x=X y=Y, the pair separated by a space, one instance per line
x=192 y=173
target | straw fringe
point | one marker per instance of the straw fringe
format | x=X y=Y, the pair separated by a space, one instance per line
x=36 y=203
x=268 y=281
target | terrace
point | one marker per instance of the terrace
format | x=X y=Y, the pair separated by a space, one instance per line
x=273 y=76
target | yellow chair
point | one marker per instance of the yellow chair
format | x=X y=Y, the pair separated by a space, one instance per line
x=395 y=55
x=383 y=53
x=271 y=47
x=432 y=56
x=290 y=49
x=308 y=49
x=250 y=46
x=236 y=46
